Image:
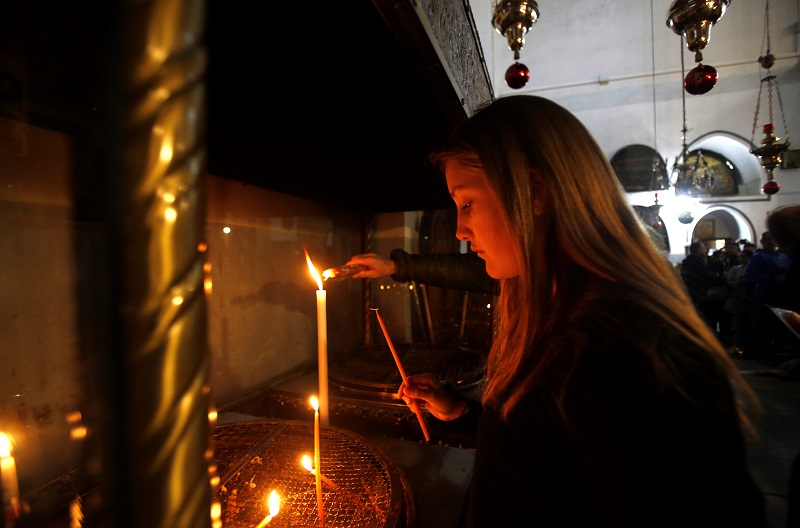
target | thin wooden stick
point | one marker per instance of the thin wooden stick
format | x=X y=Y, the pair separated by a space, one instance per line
x=414 y=405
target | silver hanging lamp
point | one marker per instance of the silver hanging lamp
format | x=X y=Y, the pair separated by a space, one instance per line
x=771 y=150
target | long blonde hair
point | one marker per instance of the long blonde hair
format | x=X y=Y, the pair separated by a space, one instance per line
x=588 y=241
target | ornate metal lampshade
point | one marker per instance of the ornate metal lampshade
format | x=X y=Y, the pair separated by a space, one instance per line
x=513 y=19
x=693 y=20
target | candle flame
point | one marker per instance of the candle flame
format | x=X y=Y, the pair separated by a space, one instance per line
x=314 y=403
x=274 y=503
x=306 y=461
x=313 y=270
x=5 y=445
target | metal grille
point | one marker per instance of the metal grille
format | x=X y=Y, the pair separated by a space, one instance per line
x=253 y=458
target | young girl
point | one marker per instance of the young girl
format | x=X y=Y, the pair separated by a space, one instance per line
x=608 y=401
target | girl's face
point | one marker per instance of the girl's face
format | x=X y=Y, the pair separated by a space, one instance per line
x=482 y=220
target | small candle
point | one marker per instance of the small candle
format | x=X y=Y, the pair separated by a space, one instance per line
x=274 y=505
x=414 y=405
x=318 y=474
x=322 y=342
x=306 y=462
x=10 y=486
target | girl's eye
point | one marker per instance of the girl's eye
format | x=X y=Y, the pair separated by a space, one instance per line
x=466 y=205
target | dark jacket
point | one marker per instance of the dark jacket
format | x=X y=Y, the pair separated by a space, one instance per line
x=627 y=455
x=460 y=271
x=698 y=279
x=766 y=274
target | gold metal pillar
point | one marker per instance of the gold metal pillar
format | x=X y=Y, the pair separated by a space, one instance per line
x=161 y=474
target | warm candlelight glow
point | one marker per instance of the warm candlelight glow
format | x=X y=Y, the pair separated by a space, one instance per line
x=5 y=446
x=314 y=273
x=10 y=483
x=306 y=462
x=314 y=403
x=274 y=505
x=322 y=341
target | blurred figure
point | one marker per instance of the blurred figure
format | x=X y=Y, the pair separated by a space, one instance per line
x=698 y=279
x=732 y=253
x=736 y=304
x=718 y=318
x=764 y=277
x=784 y=224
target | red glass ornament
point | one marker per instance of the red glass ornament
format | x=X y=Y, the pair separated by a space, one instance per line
x=700 y=80
x=769 y=128
x=771 y=187
x=517 y=75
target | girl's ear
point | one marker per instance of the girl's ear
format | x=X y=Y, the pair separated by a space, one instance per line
x=538 y=206
x=538 y=210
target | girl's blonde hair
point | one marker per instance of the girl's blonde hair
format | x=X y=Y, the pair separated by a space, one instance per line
x=587 y=242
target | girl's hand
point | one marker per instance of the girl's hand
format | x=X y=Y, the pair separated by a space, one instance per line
x=377 y=266
x=426 y=390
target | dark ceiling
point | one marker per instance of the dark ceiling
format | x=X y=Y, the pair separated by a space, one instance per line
x=339 y=103
x=327 y=104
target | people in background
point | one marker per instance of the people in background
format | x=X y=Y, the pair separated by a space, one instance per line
x=608 y=401
x=732 y=252
x=463 y=271
x=784 y=225
x=764 y=277
x=717 y=317
x=698 y=279
x=736 y=304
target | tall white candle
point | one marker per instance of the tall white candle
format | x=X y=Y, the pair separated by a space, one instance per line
x=317 y=457
x=322 y=354
x=10 y=486
x=322 y=342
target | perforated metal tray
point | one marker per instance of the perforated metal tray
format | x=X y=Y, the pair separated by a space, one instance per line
x=254 y=458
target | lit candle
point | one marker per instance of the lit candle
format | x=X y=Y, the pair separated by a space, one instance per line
x=322 y=342
x=8 y=473
x=414 y=405
x=306 y=461
x=318 y=474
x=274 y=505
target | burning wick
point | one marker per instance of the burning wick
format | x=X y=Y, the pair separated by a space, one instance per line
x=414 y=405
x=318 y=474
x=306 y=461
x=341 y=273
x=274 y=504
x=10 y=483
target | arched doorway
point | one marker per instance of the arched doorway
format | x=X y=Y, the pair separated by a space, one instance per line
x=719 y=223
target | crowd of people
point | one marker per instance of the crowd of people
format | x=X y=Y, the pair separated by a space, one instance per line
x=735 y=288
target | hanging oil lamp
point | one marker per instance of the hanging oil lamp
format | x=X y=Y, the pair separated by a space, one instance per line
x=771 y=149
x=513 y=19
x=693 y=20
x=690 y=179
